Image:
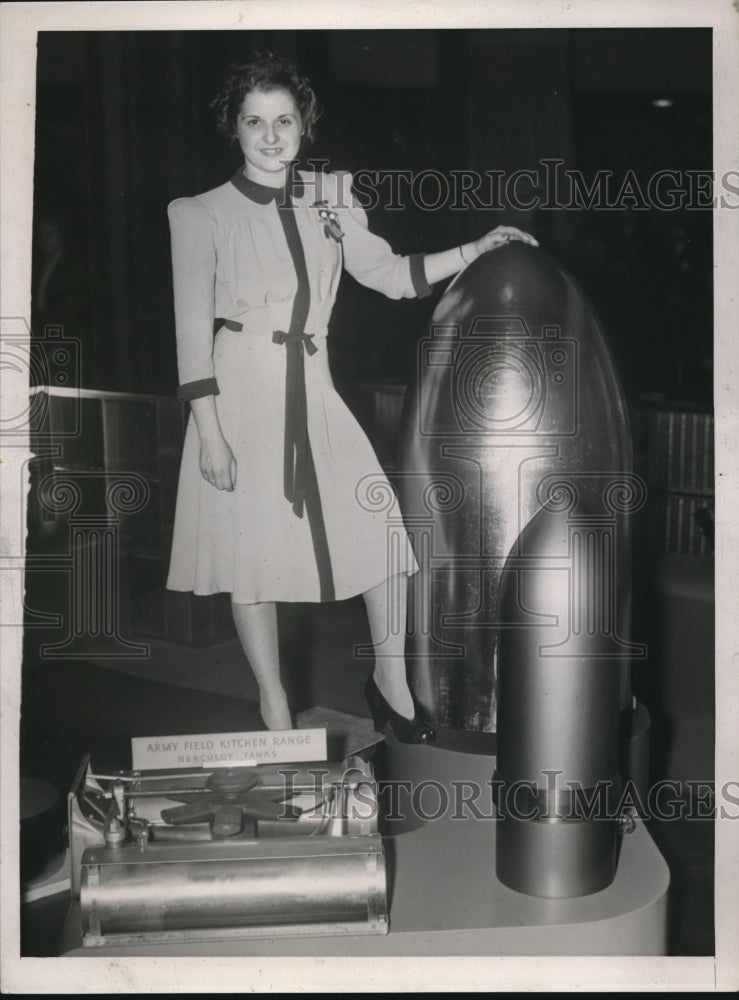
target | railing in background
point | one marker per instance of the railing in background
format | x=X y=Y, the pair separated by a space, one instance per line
x=87 y=441
x=675 y=448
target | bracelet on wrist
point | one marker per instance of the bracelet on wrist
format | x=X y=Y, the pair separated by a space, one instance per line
x=461 y=254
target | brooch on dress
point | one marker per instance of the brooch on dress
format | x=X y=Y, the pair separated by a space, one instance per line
x=330 y=221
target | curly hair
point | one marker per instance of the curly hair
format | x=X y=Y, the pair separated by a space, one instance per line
x=263 y=72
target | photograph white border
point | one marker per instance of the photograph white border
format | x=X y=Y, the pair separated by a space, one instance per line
x=19 y=23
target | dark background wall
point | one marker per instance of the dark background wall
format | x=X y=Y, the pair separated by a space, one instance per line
x=124 y=126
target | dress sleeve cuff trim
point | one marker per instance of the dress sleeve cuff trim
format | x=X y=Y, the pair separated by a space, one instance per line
x=418 y=276
x=201 y=387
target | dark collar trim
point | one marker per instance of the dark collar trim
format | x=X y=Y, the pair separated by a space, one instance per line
x=262 y=194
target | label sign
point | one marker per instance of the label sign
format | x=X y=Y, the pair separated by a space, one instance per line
x=222 y=749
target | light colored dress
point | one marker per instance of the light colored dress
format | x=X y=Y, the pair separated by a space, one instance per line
x=236 y=258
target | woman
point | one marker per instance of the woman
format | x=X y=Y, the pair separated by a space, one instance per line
x=267 y=506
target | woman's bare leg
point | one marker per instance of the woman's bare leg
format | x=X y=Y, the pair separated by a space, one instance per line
x=386 y=611
x=256 y=625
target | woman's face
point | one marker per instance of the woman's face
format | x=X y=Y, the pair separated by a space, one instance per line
x=269 y=127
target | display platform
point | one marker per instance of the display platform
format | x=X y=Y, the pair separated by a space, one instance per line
x=444 y=897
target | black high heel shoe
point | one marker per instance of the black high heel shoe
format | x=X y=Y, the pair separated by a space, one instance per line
x=406 y=730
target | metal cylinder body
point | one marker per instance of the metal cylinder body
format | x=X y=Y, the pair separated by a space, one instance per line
x=171 y=889
x=516 y=487
x=559 y=709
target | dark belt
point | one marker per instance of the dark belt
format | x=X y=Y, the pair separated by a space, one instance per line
x=296 y=415
x=230 y=324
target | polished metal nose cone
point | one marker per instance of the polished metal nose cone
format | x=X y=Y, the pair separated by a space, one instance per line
x=516 y=488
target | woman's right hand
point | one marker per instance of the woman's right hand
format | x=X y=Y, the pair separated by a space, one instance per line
x=217 y=463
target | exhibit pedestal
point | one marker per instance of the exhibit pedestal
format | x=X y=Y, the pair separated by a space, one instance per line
x=443 y=894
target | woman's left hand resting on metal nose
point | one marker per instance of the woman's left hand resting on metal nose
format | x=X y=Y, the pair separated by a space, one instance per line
x=497 y=237
x=439 y=266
